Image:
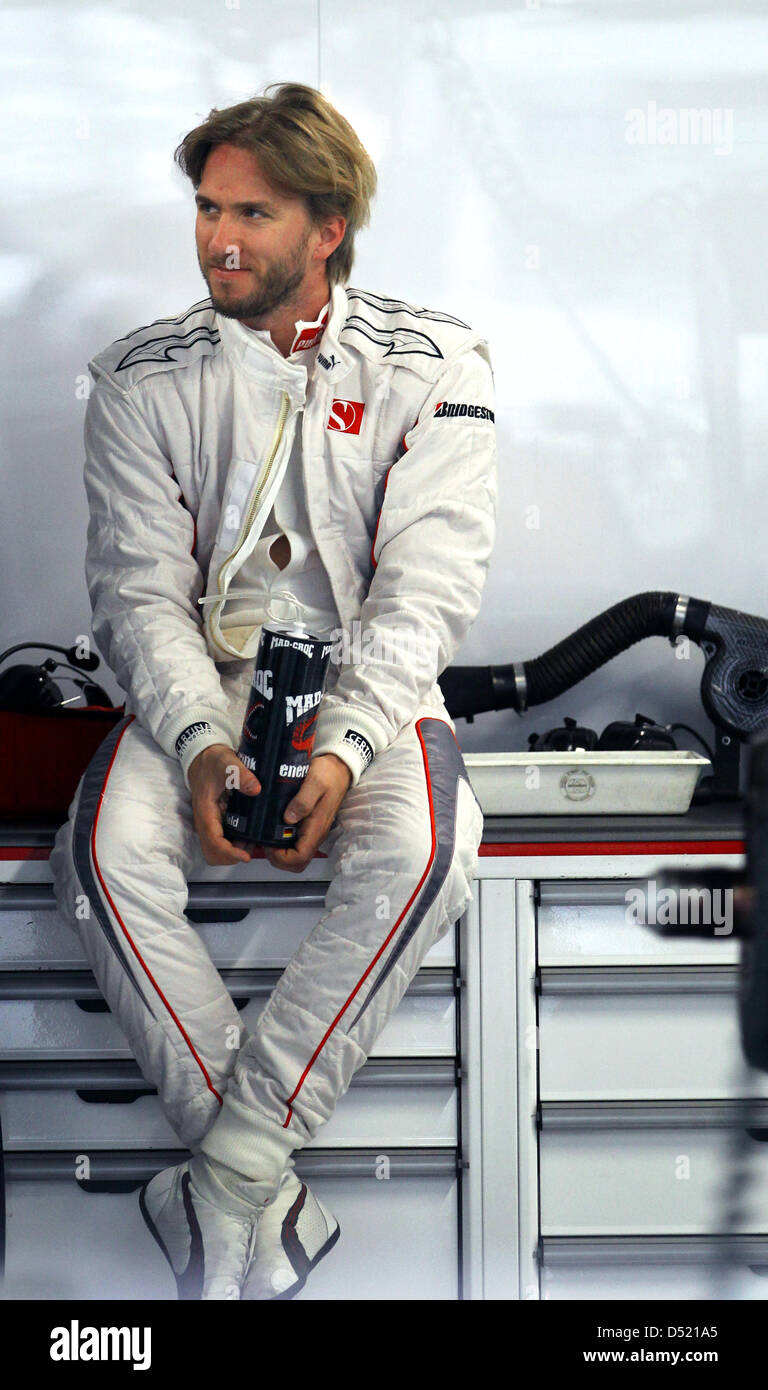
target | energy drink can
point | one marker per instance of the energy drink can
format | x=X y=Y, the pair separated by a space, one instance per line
x=278 y=732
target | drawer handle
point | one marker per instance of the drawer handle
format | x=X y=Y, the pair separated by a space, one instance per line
x=603 y=1115
x=113 y=1097
x=30 y=897
x=100 y=1185
x=100 y=1006
x=91 y=1077
x=611 y=981
x=202 y=915
x=125 y=1170
x=255 y=981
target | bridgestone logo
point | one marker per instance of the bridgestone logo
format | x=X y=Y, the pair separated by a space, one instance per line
x=362 y=745
x=192 y=732
x=449 y=409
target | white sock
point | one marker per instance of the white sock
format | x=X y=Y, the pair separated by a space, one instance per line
x=255 y=1148
x=228 y=1189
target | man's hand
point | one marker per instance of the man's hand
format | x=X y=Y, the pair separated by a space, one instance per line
x=315 y=806
x=210 y=782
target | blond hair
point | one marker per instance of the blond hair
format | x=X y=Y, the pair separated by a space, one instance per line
x=305 y=147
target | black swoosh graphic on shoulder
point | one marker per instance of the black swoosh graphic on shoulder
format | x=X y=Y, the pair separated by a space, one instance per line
x=398 y=342
x=398 y=306
x=160 y=349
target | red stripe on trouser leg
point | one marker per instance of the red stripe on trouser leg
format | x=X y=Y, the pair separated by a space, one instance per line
x=125 y=931
x=382 y=948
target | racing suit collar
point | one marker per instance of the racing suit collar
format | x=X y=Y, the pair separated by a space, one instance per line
x=333 y=360
x=254 y=348
x=308 y=334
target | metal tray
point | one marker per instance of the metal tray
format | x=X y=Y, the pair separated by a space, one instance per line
x=646 y=782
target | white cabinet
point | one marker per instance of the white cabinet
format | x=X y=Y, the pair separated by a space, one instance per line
x=549 y=1114
x=398 y=1239
x=81 y=1132
x=603 y=1103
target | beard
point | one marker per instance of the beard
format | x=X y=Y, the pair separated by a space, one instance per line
x=277 y=286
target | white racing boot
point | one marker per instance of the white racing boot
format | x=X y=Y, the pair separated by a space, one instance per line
x=293 y=1233
x=207 y=1246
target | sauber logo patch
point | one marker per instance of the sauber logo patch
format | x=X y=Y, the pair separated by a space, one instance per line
x=449 y=409
x=346 y=416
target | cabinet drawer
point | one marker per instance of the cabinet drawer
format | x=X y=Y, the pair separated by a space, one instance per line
x=610 y=1035
x=422 y=1026
x=398 y=1240
x=266 y=934
x=591 y=923
x=681 y=1268
x=634 y=1170
x=382 y=1112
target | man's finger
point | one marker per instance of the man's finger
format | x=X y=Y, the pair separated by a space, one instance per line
x=211 y=832
x=243 y=779
x=303 y=803
x=210 y=818
x=224 y=852
x=312 y=832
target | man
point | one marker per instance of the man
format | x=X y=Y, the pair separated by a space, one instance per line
x=286 y=437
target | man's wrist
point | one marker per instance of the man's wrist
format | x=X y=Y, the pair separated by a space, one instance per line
x=195 y=738
x=340 y=761
x=202 y=753
x=351 y=748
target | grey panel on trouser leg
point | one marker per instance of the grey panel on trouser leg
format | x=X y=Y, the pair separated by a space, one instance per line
x=444 y=768
x=90 y=792
x=301 y=1022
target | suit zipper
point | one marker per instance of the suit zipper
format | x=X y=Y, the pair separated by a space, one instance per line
x=255 y=500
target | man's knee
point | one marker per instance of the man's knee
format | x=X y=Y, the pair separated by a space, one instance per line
x=61 y=863
x=124 y=851
x=457 y=889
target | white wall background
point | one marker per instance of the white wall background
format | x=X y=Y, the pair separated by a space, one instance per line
x=623 y=283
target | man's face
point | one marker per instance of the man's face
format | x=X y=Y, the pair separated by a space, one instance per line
x=254 y=244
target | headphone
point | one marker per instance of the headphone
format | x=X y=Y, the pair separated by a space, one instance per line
x=30 y=690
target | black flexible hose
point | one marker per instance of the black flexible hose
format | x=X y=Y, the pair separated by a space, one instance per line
x=754 y=974
x=598 y=641
x=470 y=690
x=2 y=1208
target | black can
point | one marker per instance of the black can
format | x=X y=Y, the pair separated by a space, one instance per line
x=278 y=732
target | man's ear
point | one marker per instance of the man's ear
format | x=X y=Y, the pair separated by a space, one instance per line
x=331 y=232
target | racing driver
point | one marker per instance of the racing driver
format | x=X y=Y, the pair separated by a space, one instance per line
x=285 y=440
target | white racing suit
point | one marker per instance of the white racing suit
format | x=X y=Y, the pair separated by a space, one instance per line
x=188 y=431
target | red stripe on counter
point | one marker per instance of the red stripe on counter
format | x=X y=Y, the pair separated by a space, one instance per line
x=574 y=847
x=25 y=852
x=512 y=848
